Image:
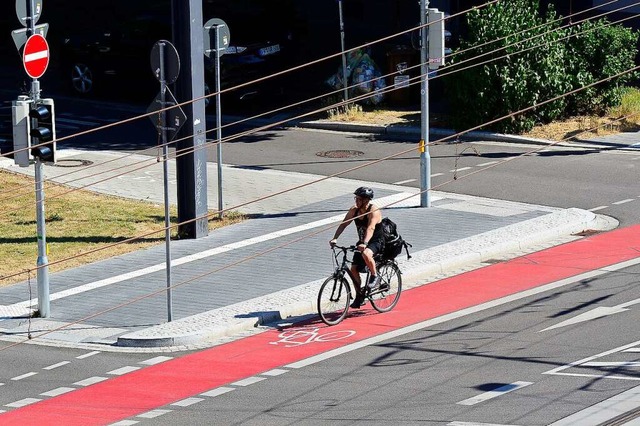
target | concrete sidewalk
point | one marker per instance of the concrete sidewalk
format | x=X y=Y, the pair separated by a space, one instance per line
x=265 y=269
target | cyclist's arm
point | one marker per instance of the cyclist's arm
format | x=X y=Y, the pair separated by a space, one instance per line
x=348 y=218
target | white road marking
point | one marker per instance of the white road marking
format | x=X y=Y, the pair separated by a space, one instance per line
x=599 y=312
x=217 y=392
x=628 y=200
x=248 y=381
x=87 y=355
x=437 y=174
x=606 y=410
x=24 y=376
x=187 y=402
x=23 y=402
x=123 y=370
x=402 y=182
x=487 y=164
x=461 y=313
x=558 y=370
x=611 y=364
x=153 y=414
x=57 y=391
x=475 y=424
x=494 y=393
x=156 y=360
x=595 y=209
x=125 y=423
x=274 y=372
x=60 y=364
x=461 y=169
x=90 y=381
x=632 y=350
x=395 y=198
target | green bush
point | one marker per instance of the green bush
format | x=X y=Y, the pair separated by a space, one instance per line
x=523 y=78
x=595 y=51
x=555 y=65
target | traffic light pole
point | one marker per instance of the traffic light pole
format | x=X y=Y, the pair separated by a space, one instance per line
x=41 y=230
x=425 y=157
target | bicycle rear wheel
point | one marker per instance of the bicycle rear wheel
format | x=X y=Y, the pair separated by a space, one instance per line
x=333 y=300
x=386 y=296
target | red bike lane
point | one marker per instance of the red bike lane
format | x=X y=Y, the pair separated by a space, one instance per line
x=156 y=386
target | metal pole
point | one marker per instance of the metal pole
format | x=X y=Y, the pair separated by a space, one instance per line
x=41 y=230
x=165 y=166
x=216 y=29
x=425 y=157
x=344 y=55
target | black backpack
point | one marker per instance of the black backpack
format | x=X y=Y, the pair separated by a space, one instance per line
x=393 y=242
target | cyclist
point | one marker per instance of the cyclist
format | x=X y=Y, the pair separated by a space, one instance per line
x=367 y=218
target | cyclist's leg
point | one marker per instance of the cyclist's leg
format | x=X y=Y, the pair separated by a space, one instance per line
x=357 y=282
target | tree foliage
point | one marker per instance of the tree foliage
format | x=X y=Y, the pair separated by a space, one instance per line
x=543 y=61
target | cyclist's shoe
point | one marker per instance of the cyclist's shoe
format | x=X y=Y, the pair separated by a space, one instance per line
x=357 y=302
x=374 y=282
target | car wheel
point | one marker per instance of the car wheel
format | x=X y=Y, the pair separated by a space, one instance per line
x=81 y=78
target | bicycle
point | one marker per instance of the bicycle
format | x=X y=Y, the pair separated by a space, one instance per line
x=335 y=293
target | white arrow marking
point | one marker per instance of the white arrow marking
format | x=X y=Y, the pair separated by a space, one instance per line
x=596 y=313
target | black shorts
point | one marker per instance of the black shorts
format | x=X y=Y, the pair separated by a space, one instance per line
x=375 y=246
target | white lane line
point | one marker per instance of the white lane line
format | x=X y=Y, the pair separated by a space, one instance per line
x=153 y=414
x=628 y=200
x=218 y=391
x=486 y=164
x=90 y=381
x=187 y=402
x=87 y=355
x=461 y=313
x=125 y=423
x=248 y=381
x=461 y=169
x=123 y=370
x=402 y=182
x=24 y=376
x=437 y=174
x=156 y=360
x=595 y=209
x=494 y=393
x=23 y=402
x=606 y=410
x=60 y=364
x=57 y=391
x=274 y=372
x=395 y=198
x=632 y=350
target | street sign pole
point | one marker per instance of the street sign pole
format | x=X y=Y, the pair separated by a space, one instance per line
x=216 y=30
x=41 y=230
x=425 y=157
x=165 y=167
x=344 y=54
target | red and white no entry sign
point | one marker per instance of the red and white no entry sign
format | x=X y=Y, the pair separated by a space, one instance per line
x=35 y=56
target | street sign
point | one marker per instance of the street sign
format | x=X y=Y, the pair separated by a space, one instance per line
x=20 y=36
x=209 y=35
x=22 y=13
x=171 y=61
x=175 y=116
x=35 y=56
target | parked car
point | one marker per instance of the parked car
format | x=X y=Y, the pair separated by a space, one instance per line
x=117 y=56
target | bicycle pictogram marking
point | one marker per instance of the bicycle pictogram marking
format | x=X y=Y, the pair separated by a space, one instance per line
x=303 y=336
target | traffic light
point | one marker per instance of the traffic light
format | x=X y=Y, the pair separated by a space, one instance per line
x=43 y=130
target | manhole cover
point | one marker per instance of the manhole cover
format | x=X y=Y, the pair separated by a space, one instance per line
x=70 y=162
x=340 y=153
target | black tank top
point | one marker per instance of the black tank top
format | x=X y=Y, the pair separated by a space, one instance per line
x=362 y=223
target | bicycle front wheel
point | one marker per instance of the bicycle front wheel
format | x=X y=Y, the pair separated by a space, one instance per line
x=386 y=296
x=333 y=300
